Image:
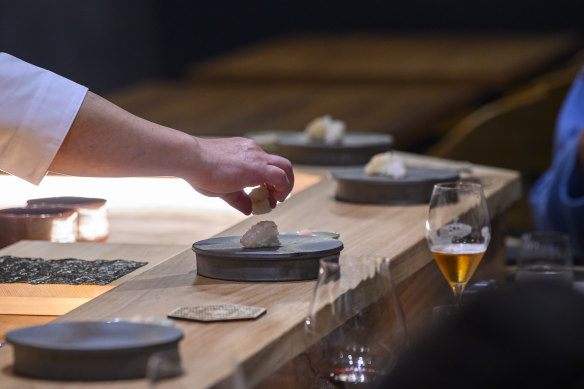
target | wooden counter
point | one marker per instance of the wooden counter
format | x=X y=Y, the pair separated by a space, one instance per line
x=212 y=354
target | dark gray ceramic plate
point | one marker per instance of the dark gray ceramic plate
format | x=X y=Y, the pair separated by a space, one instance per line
x=356 y=148
x=416 y=187
x=268 y=139
x=90 y=351
x=296 y=259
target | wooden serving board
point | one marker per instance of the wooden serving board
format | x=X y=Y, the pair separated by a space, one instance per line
x=58 y=299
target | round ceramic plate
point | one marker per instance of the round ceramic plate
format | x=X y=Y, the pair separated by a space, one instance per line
x=89 y=351
x=323 y=234
x=355 y=149
x=416 y=187
x=297 y=258
x=268 y=139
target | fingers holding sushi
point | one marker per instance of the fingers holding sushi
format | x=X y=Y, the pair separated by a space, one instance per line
x=224 y=167
x=279 y=178
x=259 y=201
x=238 y=200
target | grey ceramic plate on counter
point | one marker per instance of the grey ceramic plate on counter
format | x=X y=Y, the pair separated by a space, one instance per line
x=268 y=139
x=355 y=149
x=297 y=258
x=321 y=234
x=90 y=351
x=416 y=187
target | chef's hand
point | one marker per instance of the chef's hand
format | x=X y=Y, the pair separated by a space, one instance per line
x=228 y=165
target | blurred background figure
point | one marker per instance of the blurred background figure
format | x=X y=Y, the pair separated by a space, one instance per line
x=557 y=198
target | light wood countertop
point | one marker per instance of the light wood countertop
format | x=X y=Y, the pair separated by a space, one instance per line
x=212 y=352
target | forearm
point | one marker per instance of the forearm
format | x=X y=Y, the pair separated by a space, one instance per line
x=107 y=141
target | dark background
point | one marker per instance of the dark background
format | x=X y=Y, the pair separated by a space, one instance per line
x=109 y=44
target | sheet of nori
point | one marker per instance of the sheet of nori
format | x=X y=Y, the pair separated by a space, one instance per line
x=69 y=271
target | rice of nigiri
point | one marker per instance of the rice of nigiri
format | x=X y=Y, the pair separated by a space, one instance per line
x=262 y=234
x=260 y=200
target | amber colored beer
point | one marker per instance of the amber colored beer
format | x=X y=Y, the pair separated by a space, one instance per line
x=458 y=262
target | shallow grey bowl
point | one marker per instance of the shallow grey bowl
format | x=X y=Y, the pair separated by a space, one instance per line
x=296 y=259
x=90 y=351
x=356 y=148
x=354 y=185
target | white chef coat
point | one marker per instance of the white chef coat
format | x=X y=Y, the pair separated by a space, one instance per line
x=37 y=108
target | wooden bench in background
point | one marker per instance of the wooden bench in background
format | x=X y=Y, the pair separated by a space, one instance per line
x=408 y=112
x=494 y=61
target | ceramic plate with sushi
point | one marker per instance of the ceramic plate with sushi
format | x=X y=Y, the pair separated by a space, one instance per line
x=324 y=234
x=295 y=257
x=356 y=148
x=415 y=187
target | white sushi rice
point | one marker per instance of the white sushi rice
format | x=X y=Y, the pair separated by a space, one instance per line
x=260 y=200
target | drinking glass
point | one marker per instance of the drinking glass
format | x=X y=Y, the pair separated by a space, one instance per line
x=545 y=256
x=458 y=231
x=162 y=365
x=356 y=320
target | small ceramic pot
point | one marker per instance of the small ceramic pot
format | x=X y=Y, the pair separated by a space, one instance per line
x=93 y=223
x=52 y=224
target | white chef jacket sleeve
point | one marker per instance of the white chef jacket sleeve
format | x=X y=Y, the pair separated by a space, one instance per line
x=37 y=108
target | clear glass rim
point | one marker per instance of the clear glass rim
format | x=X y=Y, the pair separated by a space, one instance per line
x=457 y=185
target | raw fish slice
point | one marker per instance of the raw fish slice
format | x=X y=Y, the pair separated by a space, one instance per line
x=262 y=234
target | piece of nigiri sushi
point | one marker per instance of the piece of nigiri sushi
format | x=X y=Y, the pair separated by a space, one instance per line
x=386 y=164
x=260 y=200
x=262 y=234
x=316 y=129
x=325 y=129
x=335 y=132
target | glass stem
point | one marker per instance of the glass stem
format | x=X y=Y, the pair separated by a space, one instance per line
x=458 y=289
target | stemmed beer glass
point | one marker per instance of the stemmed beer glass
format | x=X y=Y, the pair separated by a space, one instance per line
x=458 y=231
